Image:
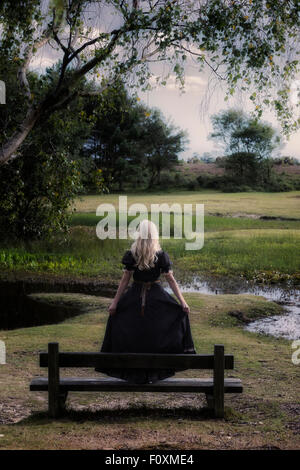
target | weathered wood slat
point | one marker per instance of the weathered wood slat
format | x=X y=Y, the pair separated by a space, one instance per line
x=136 y=360
x=83 y=384
x=53 y=379
x=219 y=381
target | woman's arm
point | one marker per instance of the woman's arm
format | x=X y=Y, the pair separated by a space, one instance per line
x=122 y=286
x=175 y=288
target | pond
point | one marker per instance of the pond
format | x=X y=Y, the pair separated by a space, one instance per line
x=23 y=310
x=284 y=326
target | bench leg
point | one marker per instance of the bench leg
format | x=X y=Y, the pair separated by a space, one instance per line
x=219 y=366
x=210 y=401
x=57 y=404
x=62 y=401
x=53 y=380
x=219 y=407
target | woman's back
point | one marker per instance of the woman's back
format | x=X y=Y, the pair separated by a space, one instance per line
x=145 y=318
x=161 y=265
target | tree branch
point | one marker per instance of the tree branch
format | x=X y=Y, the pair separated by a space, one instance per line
x=22 y=72
x=180 y=46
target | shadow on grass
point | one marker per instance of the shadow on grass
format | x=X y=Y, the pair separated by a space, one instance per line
x=122 y=415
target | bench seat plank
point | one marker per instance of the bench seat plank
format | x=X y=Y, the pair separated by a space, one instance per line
x=83 y=384
x=136 y=360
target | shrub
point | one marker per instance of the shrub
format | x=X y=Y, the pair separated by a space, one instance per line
x=167 y=180
x=280 y=185
x=35 y=194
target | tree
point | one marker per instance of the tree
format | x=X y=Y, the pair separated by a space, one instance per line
x=114 y=144
x=238 y=132
x=129 y=141
x=248 y=44
x=248 y=145
x=162 y=143
x=37 y=188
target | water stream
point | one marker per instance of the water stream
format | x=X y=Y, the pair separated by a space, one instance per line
x=284 y=326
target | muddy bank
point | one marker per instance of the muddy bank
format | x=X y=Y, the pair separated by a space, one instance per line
x=32 y=311
x=29 y=283
x=20 y=308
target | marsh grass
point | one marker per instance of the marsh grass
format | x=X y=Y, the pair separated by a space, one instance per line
x=248 y=253
x=244 y=246
x=255 y=254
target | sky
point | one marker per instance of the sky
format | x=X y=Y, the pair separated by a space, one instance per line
x=193 y=110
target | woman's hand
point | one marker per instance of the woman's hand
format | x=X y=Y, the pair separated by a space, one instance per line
x=113 y=307
x=185 y=307
x=175 y=288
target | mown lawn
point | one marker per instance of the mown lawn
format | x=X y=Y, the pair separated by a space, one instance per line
x=263 y=417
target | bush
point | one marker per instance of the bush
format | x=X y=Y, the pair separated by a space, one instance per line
x=35 y=194
x=230 y=184
x=296 y=184
x=233 y=188
x=167 y=180
x=193 y=185
x=280 y=185
x=216 y=182
x=179 y=180
x=207 y=181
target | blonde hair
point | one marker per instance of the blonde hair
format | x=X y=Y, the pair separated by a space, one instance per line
x=146 y=245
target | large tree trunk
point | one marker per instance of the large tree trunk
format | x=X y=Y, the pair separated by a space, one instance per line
x=152 y=179
x=50 y=104
x=9 y=149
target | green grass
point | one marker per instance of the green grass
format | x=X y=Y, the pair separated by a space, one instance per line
x=264 y=416
x=268 y=254
x=237 y=246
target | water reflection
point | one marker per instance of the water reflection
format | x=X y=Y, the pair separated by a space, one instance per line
x=285 y=326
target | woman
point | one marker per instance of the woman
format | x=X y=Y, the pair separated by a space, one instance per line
x=145 y=318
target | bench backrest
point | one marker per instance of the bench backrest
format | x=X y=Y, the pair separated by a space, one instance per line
x=54 y=360
x=136 y=360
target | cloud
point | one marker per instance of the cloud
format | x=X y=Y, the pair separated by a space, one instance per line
x=40 y=62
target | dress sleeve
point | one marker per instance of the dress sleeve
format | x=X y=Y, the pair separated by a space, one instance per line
x=128 y=261
x=165 y=262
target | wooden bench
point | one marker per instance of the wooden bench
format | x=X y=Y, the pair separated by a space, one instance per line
x=58 y=388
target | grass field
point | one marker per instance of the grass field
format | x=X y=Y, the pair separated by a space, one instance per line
x=212 y=223
x=249 y=203
x=254 y=419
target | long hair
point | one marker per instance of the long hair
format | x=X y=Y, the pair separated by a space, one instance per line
x=146 y=245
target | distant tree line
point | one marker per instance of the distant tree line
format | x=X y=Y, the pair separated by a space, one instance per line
x=131 y=143
x=248 y=146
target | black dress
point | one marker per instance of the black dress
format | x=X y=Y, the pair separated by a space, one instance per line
x=163 y=327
